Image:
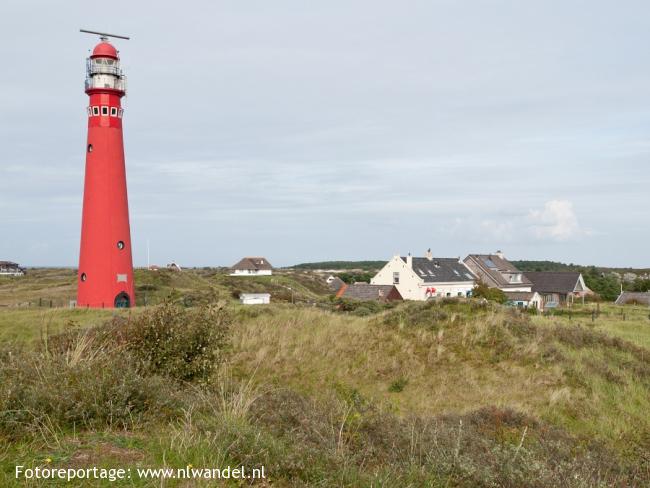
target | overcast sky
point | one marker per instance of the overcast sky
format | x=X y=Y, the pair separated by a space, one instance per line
x=307 y=131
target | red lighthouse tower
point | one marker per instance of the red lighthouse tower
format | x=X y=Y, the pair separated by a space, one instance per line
x=105 y=278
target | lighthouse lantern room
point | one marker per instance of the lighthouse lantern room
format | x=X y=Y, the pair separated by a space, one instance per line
x=105 y=276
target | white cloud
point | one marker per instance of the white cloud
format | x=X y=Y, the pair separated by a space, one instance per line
x=556 y=221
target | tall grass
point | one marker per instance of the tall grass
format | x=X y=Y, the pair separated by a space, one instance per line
x=443 y=394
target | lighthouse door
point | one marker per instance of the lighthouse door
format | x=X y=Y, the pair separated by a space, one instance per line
x=122 y=300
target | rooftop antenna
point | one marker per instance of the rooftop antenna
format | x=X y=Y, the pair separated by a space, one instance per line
x=103 y=35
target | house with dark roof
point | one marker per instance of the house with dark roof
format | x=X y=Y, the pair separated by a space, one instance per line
x=634 y=298
x=497 y=272
x=9 y=268
x=252 y=266
x=558 y=287
x=421 y=278
x=367 y=292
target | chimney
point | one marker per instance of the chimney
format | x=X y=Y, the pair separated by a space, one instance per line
x=500 y=254
x=409 y=260
x=429 y=255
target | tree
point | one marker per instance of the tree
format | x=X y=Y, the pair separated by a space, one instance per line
x=481 y=290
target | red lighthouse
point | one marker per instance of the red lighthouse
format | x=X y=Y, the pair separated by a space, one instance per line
x=105 y=277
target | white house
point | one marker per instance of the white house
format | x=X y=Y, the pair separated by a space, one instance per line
x=427 y=277
x=9 y=268
x=252 y=266
x=255 y=298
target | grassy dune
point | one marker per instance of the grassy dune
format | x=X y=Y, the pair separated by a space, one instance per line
x=423 y=394
x=575 y=376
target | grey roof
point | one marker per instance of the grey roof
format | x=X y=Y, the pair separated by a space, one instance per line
x=514 y=296
x=441 y=270
x=493 y=266
x=255 y=263
x=364 y=291
x=633 y=296
x=554 y=281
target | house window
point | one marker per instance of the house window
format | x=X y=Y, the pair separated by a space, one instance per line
x=95 y=110
x=396 y=278
x=113 y=111
x=104 y=110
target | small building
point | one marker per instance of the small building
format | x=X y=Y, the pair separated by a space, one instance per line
x=252 y=266
x=255 y=298
x=174 y=267
x=497 y=272
x=367 y=292
x=558 y=288
x=524 y=299
x=9 y=268
x=633 y=298
x=423 y=278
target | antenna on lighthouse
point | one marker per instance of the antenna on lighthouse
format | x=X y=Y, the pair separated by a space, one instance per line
x=103 y=35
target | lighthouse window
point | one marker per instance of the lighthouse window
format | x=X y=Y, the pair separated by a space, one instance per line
x=90 y=111
x=120 y=112
x=83 y=277
x=120 y=245
x=95 y=110
x=113 y=111
x=109 y=62
x=104 y=110
x=90 y=148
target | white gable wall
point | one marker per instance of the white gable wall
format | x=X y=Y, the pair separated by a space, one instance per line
x=409 y=282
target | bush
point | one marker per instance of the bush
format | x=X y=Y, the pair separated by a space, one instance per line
x=185 y=344
x=481 y=290
x=84 y=387
x=358 y=307
x=398 y=385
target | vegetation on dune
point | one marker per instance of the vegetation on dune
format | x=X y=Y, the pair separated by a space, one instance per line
x=440 y=393
x=356 y=277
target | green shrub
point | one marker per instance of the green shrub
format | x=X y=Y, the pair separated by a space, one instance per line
x=181 y=343
x=398 y=385
x=87 y=387
x=481 y=290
